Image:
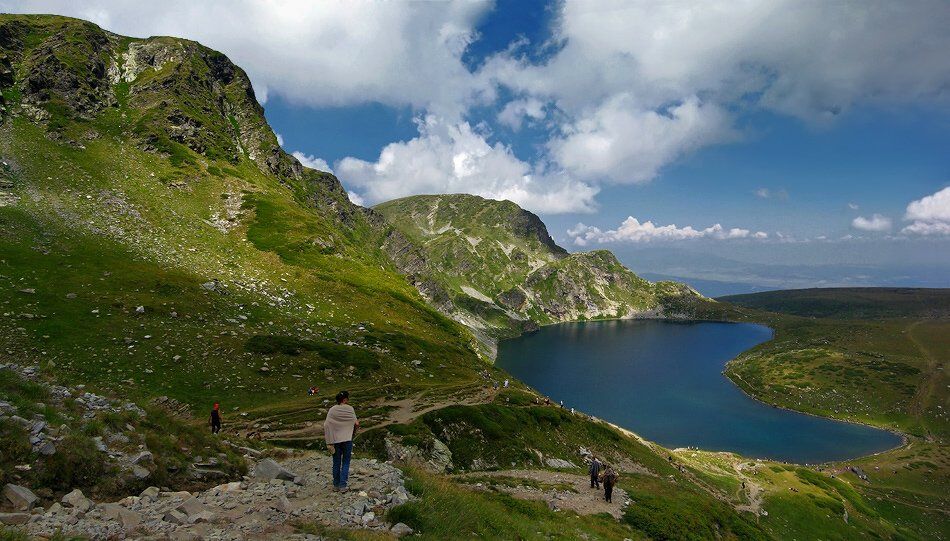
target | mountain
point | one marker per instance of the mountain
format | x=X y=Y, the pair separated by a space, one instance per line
x=156 y=240
x=503 y=273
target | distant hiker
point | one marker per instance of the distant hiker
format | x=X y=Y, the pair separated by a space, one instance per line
x=312 y=391
x=338 y=430
x=506 y=384
x=594 y=470
x=561 y=403
x=215 y=419
x=609 y=479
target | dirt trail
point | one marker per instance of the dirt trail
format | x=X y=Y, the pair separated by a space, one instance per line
x=398 y=411
x=560 y=490
x=931 y=376
x=753 y=493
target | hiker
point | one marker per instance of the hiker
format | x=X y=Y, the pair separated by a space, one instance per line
x=609 y=478
x=506 y=384
x=215 y=419
x=595 y=466
x=338 y=430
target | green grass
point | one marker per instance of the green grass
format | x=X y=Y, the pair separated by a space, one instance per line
x=446 y=510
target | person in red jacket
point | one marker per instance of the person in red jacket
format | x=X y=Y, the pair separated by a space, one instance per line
x=215 y=419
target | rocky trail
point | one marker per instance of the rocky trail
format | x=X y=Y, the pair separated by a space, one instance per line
x=559 y=490
x=267 y=504
x=397 y=411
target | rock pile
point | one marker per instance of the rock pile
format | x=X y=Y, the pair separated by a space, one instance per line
x=265 y=504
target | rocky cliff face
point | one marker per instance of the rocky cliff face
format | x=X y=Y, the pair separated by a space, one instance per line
x=503 y=274
x=171 y=92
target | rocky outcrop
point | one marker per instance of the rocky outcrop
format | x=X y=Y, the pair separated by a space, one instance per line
x=255 y=508
x=503 y=274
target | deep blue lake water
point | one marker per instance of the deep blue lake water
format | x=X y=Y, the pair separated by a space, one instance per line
x=664 y=381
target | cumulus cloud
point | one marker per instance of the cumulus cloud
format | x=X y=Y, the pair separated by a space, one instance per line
x=875 y=223
x=311 y=161
x=621 y=64
x=633 y=231
x=356 y=198
x=516 y=111
x=456 y=158
x=621 y=142
x=930 y=215
x=280 y=139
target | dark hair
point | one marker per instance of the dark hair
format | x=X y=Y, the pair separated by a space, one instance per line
x=341 y=396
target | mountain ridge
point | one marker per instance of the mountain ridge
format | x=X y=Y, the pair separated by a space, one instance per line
x=504 y=274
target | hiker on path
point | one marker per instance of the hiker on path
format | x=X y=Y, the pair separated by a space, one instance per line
x=609 y=479
x=215 y=419
x=595 y=467
x=338 y=430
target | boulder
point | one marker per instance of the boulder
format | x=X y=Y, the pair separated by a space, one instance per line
x=47 y=449
x=269 y=469
x=191 y=507
x=140 y=473
x=401 y=530
x=150 y=494
x=77 y=500
x=14 y=519
x=21 y=498
x=144 y=456
x=559 y=463
x=202 y=516
x=283 y=505
x=175 y=517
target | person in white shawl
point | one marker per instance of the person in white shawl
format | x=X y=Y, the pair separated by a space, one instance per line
x=338 y=430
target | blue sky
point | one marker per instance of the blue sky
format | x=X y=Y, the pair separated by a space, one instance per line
x=636 y=127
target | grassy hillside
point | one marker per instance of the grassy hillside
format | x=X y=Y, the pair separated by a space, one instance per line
x=851 y=303
x=874 y=356
x=156 y=241
x=503 y=273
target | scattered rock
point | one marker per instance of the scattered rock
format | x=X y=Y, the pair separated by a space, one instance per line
x=14 y=519
x=175 y=517
x=21 y=498
x=191 y=507
x=144 y=456
x=269 y=469
x=77 y=500
x=559 y=463
x=150 y=494
x=401 y=530
x=140 y=473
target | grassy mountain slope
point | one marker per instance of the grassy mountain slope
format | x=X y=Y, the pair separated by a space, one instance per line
x=503 y=272
x=141 y=173
x=155 y=240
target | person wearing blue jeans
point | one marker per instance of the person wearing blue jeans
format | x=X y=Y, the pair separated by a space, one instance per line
x=338 y=430
x=341 y=463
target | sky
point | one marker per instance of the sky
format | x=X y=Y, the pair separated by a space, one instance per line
x=774 y=134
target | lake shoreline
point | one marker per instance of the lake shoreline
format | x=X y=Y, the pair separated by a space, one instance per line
x=717 y=445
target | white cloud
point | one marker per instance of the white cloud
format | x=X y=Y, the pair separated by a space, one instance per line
x=874 y=223
x=807 y=59
x=516 y=111
x=853 y=206
x=623 y=143
x=356 y=199
x=930 y=215
x=622 y=64
x=280 y=139
x=762 y=193
x=633 y=231
x=455 y=158
x=308 y=160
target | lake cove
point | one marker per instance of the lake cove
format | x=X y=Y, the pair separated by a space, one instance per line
x=664 y=381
